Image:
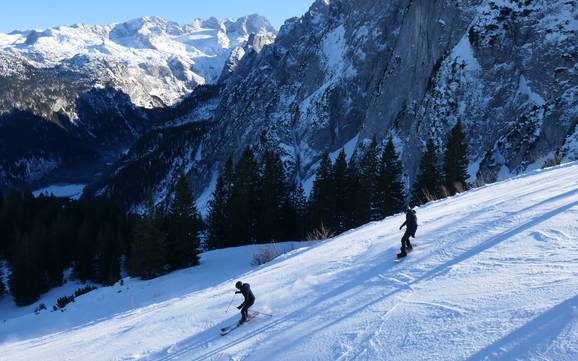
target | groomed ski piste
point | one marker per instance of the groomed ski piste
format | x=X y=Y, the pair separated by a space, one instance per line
x=494 y=276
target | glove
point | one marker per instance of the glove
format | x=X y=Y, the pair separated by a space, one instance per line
x=239 y=307
x=400 y=228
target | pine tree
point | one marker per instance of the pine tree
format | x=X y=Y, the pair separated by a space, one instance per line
x=183 y=225
x=2 y=276
x=428 y=183
x=456 y=160
x=244 y=200
x=107 y=258
x=390 y=190
x=273 y=192
x=367 y=206
x=356 y=198
x=294 y=214
x=339 y=180
x=219 y=219
x=27 y=281
x=85 y=249
x=322 y=205
x=148 y=256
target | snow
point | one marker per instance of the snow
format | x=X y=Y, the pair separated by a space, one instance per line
x=164 y=58
x=73 y=191
x=525 y=90
x=348 y=147
x=570 y=148
x=493 y=277
x=464 y=54
x=205 y=197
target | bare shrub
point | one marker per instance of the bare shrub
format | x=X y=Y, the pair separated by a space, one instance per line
x=428 y=196
x=445 y=192
x=319 y=234
x=482 y=179
x=459 y=187
x=269 y=253
x=555 y=160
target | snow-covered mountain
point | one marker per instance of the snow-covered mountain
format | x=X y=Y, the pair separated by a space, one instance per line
x=156 y=62
x=99 y=88
x=348 y=70
x=493 y=276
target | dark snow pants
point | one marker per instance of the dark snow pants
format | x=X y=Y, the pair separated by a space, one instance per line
x=245 y=311
x=405 y=240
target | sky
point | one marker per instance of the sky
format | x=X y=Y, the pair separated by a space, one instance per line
x=42 y=14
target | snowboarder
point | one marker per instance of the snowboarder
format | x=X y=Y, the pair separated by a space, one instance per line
x=245 y=290
x=411 y=227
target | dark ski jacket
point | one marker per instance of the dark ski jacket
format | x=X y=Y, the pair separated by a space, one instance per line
x=248 y=294
x=410 y=222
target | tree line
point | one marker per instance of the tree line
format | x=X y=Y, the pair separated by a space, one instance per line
x=256 y=200
x=41 y=238
x=259 y=201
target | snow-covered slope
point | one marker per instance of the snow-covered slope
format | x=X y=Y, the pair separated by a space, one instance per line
x=493 y=277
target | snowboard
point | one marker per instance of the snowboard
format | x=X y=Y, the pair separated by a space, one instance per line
x=407 y=252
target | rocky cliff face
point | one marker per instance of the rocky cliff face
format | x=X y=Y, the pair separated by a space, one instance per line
x=348 y=70
x=104 y=86
x=407 y=69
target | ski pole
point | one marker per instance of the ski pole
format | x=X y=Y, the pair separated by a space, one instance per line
x=261 y=313
x=230 y=303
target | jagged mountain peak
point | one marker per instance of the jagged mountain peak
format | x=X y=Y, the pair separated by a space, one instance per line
x=147 y=62
x=346 y=71
x=148 y=58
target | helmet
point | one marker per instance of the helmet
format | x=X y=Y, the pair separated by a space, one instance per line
x=408 y=209
x=238 y=284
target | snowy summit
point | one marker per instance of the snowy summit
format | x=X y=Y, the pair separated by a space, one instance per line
x=493 y=276
x=162 y=58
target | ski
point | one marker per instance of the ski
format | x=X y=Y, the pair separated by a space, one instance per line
x=226 y=330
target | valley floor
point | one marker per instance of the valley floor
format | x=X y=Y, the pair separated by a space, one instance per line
x=494 y=276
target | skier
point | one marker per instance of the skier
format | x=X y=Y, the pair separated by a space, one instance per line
x=245 y=290
x=411 y=227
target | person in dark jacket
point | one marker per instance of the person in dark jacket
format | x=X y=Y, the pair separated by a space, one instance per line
x=245 y=290
x=411 y=227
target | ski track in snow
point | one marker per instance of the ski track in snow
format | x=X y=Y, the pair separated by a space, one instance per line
x=493 y=277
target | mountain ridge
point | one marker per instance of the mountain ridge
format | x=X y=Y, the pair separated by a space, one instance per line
x=407 y=69
x=107 y=85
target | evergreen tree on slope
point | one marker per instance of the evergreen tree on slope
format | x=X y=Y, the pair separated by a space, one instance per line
x=339 y=175
x=356 y=199
x=2 y=287
x=456 y=160
x=322 y=205
x=244 y=200
x=390 y=189
x=27 y=282
x=183 y=225
x=219 y=219
x=294 y=214
x=368 y=209
x=273 y=194
x=428 y=183
x=148 y=256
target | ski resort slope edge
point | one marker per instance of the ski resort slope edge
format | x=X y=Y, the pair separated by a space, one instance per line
x=494 y=276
